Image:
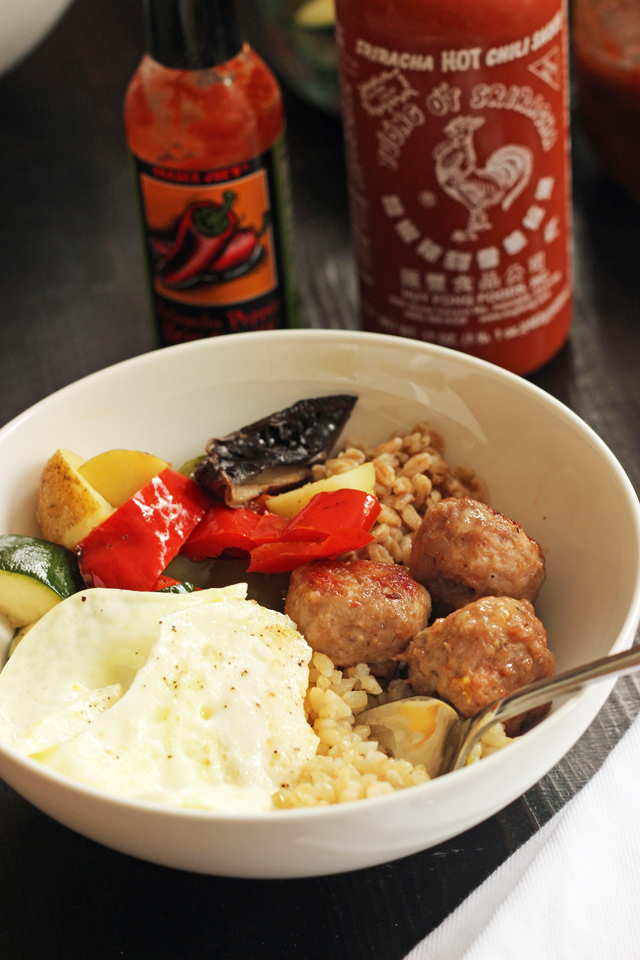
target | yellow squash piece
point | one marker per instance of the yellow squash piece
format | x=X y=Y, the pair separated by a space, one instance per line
x=118 y=474
x=68 y=507
x=289 y=504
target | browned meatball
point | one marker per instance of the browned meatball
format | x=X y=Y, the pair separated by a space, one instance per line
x=480 y=653
x=358 y=612
x=464 y=550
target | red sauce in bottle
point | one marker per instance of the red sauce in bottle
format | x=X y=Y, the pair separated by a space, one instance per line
x=607 y=53
x=200 y=119
x=456 y=128
x=205 y=126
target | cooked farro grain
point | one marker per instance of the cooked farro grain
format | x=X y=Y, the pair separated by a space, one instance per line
x=411 y=476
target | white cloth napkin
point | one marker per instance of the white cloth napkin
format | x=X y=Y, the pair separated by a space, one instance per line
x=572 y=892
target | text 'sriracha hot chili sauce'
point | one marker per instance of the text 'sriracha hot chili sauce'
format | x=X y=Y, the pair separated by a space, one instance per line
x=456 y=124
x=205 y=127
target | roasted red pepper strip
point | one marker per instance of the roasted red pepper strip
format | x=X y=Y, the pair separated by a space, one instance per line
x=281 y=557
x=345 y=515
x=330 y=510
x=130 y=549
x=221 y=528
x=268 y=529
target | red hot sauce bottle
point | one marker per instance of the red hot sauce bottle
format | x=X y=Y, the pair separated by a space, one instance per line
x=205 y=126
x=456 y=126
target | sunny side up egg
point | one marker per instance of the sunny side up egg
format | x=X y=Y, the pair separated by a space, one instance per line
x=184 y=699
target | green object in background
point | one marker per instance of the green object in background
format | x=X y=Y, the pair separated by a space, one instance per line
x=189 y=467
x=300 y=45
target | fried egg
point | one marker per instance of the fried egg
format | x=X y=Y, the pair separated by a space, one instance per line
x=184 y=699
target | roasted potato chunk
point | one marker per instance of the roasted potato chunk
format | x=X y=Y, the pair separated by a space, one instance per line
x=68 y=507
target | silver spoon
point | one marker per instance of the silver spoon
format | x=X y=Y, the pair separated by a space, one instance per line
x=429 y=731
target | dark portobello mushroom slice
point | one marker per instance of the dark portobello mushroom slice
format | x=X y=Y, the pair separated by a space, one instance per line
x=275 y=453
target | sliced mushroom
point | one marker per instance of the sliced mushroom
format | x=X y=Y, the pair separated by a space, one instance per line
x=275 y=453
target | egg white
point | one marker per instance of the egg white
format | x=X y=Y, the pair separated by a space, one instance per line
x=185 y=699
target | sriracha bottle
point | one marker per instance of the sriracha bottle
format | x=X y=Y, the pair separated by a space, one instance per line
x=457 y=140
x=205 y=127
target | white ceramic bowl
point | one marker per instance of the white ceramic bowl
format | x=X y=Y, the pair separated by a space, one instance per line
x=544 y=467
x=23 y=24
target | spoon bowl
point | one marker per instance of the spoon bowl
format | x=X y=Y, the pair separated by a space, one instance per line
x=429 y=731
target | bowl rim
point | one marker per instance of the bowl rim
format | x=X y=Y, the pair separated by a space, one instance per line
x=591 y=697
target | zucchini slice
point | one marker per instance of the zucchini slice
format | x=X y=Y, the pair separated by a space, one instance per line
x=35 y=575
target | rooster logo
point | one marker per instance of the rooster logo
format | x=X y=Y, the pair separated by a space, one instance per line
x=504 y=176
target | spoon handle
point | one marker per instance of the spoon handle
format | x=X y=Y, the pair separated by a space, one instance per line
x=538 y=693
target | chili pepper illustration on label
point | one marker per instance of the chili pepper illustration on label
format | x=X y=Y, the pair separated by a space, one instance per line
x=212 y=237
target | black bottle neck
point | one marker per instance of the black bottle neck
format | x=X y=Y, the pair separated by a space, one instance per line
x=192 y=34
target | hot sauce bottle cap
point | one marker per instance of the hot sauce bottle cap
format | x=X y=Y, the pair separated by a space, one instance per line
x=192 y=34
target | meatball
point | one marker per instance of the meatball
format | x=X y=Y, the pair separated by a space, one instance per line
x=464 y=550
x=480 y=653
x=358 y=612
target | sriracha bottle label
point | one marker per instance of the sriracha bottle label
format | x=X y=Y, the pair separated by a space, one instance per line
x=217 y=245
x=457 y=149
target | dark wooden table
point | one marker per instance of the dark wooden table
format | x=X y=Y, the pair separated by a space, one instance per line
x=72 y=300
